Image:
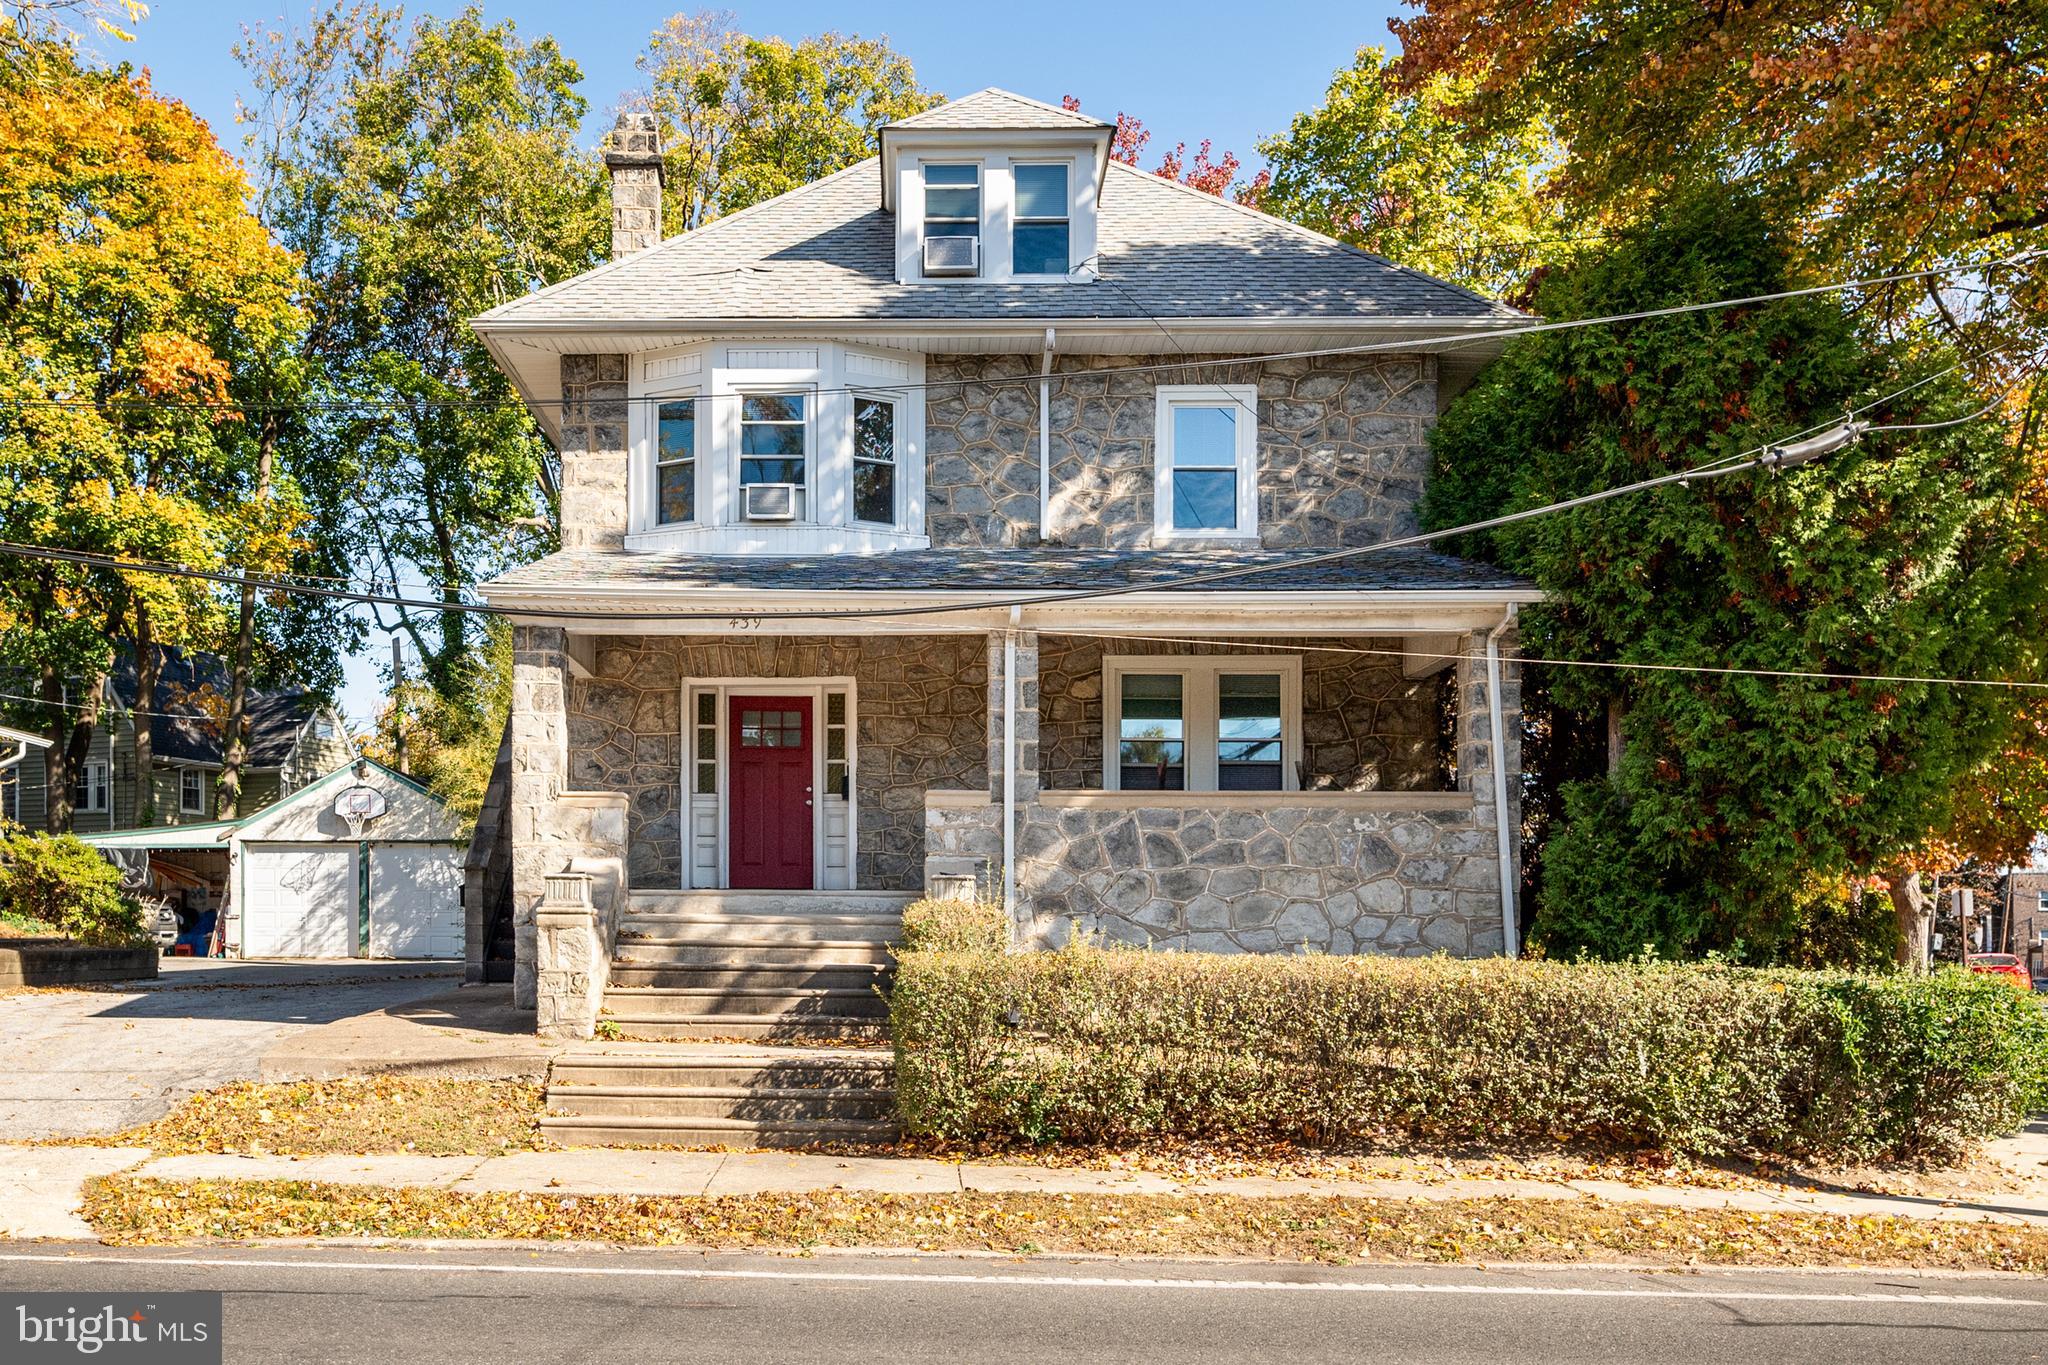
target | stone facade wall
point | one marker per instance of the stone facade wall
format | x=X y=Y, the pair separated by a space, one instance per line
x=920 y=715
x=1342 y=448
x=1333 y=878
x=1365 y=727
x=593 y=447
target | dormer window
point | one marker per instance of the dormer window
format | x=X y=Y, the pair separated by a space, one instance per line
x=675 y=463
x=1039 y=235
x=952 y=209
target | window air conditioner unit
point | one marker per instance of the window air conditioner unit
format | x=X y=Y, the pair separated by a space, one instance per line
x=771 y=502
x=952 y=255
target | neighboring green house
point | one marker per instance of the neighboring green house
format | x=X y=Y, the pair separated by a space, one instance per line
x=295 y=737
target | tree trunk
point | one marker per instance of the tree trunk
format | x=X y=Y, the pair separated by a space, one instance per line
x=148 y=663
x=71 y=743
x=1915 y=913
x=235 y=738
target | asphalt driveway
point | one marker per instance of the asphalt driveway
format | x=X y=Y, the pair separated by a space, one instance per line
x=97 y=1061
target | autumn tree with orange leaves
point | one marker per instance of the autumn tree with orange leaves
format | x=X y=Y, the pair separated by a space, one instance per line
x=135 y=288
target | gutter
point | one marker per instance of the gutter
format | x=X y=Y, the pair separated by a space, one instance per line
x=1504 y=843
x=1045 y=438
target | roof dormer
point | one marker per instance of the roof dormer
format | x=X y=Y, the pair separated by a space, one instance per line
x=994 y=187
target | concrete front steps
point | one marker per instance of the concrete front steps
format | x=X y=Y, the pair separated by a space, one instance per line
x=755 y=965
x=711 y=1095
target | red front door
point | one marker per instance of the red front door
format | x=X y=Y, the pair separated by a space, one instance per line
x=770 y=749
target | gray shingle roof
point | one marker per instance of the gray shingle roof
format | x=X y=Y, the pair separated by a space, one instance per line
x=191 y=693
x=827 y=252
x=1036 y=569
x=997 y=109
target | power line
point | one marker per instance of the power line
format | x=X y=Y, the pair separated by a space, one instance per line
x=1775 y=455
x=1411 y=344
x=1729 y=670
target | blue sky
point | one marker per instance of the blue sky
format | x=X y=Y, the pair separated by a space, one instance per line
x=1230 y=72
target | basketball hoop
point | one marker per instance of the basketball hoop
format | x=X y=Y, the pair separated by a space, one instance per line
x=358 y=806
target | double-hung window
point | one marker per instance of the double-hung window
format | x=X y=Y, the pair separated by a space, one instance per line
x=1206 y=461
x=1200 y=723
x=90 y=793
x=774 y=439
x=191 y=791
x=874 y=460
x=952 y=200
x=1039 y=231
x=675 y=462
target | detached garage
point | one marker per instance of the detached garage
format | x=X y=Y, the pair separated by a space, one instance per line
x=364 y=862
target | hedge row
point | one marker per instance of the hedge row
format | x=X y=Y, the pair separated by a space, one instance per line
x=1106 y=1045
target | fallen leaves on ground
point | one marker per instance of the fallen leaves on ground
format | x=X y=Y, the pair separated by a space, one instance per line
x=127 y=1211
x=354 y=1116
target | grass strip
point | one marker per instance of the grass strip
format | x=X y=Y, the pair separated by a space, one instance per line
x=1338 y=1231
x=354 y=1116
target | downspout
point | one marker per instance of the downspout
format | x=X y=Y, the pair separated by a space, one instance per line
x=1504 y=842
x=1010 y=769
x=1045 y=440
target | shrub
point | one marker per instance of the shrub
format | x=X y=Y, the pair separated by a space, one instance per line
x=931 y=926
x=1096 y=1045
x=60 y=881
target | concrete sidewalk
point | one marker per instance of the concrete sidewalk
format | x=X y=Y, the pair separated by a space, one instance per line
x=605 y=1171
x=469 y=1033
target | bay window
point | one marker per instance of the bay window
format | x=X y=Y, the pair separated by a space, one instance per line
x=774 y=439
x=874 y=460
x=1201 y=723
x=675 y=463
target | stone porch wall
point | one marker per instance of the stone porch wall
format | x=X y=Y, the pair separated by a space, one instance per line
x=1343 y=449
x=921 y=715
x=1407 y=876
x=1365 y=727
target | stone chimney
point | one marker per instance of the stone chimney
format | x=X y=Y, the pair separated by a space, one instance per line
x=634 y=160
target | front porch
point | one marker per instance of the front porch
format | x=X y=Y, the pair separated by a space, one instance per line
x=1164 y=786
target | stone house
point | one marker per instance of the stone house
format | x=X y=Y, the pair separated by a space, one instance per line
x=974 y=511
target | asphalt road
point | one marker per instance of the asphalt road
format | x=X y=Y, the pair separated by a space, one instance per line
x=99 y=1061
x=480 y=1304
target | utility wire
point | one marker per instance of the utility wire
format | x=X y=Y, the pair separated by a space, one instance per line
x=1769 y=456
x=1447 y=341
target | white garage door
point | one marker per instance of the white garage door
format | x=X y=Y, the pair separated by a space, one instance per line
x=299 y=900
x=415 y=900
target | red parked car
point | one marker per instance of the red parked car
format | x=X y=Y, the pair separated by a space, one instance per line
x=2002 y=964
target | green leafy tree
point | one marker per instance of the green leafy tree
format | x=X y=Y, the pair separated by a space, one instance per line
x=744 y=119
x=1401 y=174
x=1903 y=555
x=424 y=172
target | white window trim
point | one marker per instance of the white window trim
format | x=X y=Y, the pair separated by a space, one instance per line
x=1199 y=721
x=198 y=805
x=896 y=444
x=718 y=376
x=651 y=466
x=102 y=788
x=1244 y=398
x=812 y=491
x=1072 y=218
x=982 y=218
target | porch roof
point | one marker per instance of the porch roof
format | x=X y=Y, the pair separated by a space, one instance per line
x=996 y=572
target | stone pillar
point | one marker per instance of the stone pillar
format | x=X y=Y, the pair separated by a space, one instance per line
x=1027 y=716
x=572 y=960
x=594 y=459
x=633 y=156
x=540 y=760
